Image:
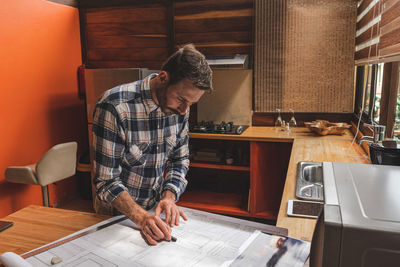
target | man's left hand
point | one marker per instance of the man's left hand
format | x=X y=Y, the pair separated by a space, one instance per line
x=171 y=210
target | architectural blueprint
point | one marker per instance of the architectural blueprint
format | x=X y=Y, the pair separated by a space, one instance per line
x=204 y=240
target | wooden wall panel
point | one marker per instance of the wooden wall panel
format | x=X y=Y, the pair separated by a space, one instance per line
x=215 y=27
x=127 y=36
x=158 y=41
x=125 y=14
x=130 y=54
x=144 y=35
x=207 y=6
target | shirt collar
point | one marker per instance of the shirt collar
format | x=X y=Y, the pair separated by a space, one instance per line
x=148 y=101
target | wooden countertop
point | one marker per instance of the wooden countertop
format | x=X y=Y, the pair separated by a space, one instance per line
x=307 y=146
x=270 y=134
x=35 y=226
x=313 y=150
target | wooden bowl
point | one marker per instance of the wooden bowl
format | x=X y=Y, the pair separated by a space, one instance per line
x=322 y=127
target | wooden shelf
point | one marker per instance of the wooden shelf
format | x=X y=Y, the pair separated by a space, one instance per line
x=225 y=203
x=219 y=166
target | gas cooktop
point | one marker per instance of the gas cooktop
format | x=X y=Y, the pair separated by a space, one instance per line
x=221 y=128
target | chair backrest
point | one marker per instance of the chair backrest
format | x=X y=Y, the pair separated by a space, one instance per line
x=58 y=163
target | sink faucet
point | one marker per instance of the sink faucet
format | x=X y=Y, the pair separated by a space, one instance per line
x=365 y=138
x=379 y=135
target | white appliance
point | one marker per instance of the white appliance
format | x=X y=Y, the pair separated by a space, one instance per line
x=360 y=222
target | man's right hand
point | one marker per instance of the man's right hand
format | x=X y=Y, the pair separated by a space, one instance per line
x=154 y=229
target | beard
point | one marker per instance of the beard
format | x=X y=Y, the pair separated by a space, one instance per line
x=162 y=101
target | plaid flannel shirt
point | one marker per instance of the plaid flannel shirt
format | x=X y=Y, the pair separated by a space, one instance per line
x=137 y=148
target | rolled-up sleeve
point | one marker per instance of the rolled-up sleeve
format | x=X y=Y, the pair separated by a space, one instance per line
x=178 y=164
x=108 y=147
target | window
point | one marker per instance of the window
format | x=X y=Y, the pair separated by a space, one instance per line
x=378 y=93
x=397 y=116
x=377 y=96
x=365 y=90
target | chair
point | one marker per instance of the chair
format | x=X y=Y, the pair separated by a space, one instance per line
x=58 y=163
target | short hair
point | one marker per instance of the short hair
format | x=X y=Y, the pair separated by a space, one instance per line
x=189 y=63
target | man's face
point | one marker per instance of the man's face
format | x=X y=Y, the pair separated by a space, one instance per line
x=177 y=98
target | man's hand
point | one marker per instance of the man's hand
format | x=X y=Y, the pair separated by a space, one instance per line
x=154 y=229
x=171 y=210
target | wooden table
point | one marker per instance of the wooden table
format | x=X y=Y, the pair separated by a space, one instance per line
x=35 y=226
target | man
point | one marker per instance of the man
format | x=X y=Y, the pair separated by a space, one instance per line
x=140 y=139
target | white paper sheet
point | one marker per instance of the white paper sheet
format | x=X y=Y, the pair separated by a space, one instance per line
x=10 y=259
x=203 y=240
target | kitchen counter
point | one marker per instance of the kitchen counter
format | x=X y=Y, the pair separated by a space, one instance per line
x=307 y=146
x=335 y=149
x=273 y=135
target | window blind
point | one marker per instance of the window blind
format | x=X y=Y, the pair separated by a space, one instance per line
x=367 y=33
x=389 y=43
x=378 y=31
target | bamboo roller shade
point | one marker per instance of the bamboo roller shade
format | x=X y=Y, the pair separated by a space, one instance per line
x=304 y=55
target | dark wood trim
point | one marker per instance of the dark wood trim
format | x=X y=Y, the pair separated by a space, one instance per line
x=389 y=96
x=387 y=71
x=73 y=3
x=171 y=27
x=253 y=41
x=372 y=93
x=82 y=23
x=108 y=3
x=268 y=118
x=394 y=83
x=359 y=89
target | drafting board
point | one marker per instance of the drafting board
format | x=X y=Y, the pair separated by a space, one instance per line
x=204 y=240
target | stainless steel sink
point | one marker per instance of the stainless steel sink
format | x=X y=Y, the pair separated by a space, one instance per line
x=309 y=185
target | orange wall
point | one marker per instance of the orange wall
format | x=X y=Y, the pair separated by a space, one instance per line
x=39 y=55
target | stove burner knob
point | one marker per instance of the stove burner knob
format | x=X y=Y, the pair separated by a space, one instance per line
x=239 y=129
x=215 y=128
x=229 y=127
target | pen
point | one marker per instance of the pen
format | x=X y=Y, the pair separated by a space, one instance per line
x=173 y=239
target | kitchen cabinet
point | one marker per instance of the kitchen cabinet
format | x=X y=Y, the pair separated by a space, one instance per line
x=250 y=185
